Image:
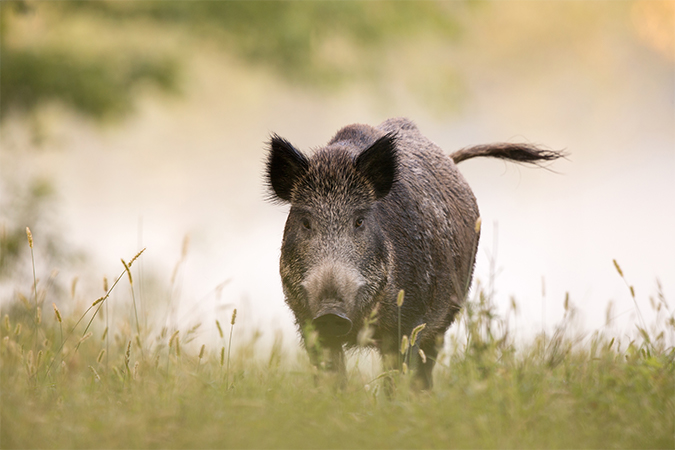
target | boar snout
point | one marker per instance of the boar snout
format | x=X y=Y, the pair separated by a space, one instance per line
x=332 y=324
x=333 y=286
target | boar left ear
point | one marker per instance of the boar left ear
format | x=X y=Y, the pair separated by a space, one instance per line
x=285 y=165
x=379 y=164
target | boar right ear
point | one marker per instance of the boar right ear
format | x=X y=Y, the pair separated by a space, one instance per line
x=285 y=165
x=379 y=164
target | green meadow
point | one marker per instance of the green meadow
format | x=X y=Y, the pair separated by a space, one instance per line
x=82 y=380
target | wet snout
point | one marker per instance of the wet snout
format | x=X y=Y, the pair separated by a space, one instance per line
x=332 y=324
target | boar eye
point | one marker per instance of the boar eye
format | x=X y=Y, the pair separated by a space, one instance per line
x=306 y=225
x=358 y=223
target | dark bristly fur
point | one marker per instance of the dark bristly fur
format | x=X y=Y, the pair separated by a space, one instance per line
x=522 y=153
x=379 y=210
x=283 y=165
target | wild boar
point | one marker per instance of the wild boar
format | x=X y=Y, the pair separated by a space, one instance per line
x=376 y=211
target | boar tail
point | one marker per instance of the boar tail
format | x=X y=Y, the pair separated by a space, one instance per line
x=522 y=153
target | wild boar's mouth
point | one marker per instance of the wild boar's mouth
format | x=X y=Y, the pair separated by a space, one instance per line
x=332 y=324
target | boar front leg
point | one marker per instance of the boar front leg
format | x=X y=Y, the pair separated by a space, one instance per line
x=423 y=366
x=329 y=360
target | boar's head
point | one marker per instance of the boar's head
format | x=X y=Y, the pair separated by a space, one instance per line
x=334 y=255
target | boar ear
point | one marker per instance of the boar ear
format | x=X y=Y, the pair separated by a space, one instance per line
x=285 y=165
x=379 y=164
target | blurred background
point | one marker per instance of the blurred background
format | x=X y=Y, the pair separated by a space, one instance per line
x=138 y=124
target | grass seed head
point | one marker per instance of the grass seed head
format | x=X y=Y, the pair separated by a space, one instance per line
x=234 y=316
x=400 y=298
x=404 y=344
x=105 y=284
x=30 y=237
x=423 y=356
x=95 y=373
x=220 y=330
x=100 y=356
x=135 y=257
x=222 y=356
x=201 y=351
x=365 y=336
x=126 y=267
x=57 y=313
x=514 y=305
x=173 y=338
x=618 y=269
x=373 y=314
x=8 y=326
x=24 y=300
x=609 y=313
x=85 y=337
x=186 y=246
x=415 y=332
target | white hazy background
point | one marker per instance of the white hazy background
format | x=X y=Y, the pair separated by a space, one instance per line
x=562 y=74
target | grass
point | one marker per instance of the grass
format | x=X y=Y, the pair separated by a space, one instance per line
x=69 y=382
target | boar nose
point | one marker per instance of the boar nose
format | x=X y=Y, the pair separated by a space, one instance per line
x=332 y=324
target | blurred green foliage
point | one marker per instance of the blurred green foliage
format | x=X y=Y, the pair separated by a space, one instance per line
x=315 y=44
x=95 y=87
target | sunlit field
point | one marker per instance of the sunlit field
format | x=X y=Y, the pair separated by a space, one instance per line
x=87 y=380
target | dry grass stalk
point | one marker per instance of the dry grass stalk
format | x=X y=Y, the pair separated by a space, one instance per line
x=415 y=332
x=229 y=345
x=30 y=237
x=73 y=287
x=32 y=258
x=173 y=337
x=84 y=338
x=95 y=373
x=57 y=313
x=423 y=356
x=126 y=268
x=404 y=345
x=136 y=257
